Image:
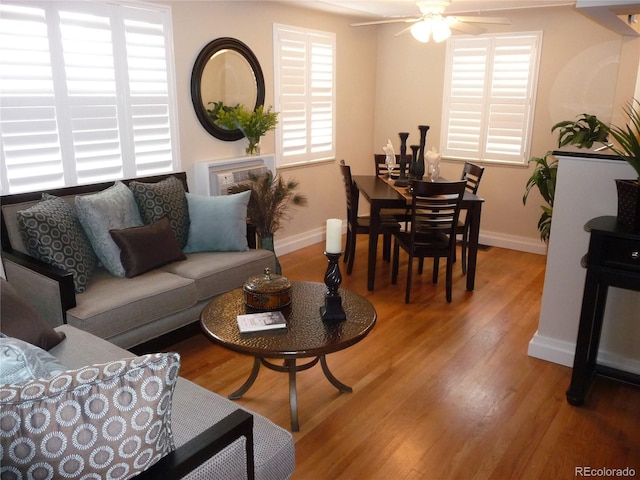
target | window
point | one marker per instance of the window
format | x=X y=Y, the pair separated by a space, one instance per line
x=304 y=95
x=490 y=86
x=86 y=93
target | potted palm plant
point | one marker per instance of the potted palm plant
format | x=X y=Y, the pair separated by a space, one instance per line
x=582 y=133
x=253 y=124
x=543 y=177
x=625 y=144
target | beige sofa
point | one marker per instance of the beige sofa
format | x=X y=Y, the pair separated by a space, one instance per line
x=124 y=311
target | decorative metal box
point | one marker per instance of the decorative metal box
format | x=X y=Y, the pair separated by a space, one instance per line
x=268 y=291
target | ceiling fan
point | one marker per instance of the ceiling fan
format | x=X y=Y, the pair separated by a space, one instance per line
x=434 y=23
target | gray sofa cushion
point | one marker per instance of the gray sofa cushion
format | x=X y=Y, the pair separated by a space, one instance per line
x=194 y=411
x=112 y=305
x=215 y=273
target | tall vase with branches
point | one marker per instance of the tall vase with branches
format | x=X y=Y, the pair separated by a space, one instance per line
x=269 y=205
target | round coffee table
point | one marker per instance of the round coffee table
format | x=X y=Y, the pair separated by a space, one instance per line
x=306 y=335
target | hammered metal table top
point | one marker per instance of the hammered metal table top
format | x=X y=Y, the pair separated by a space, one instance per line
x=306 y=335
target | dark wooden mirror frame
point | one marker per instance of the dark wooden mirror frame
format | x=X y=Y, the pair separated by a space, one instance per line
x=224 y=43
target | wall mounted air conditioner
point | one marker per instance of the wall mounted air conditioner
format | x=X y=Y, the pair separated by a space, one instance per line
x=216 y=176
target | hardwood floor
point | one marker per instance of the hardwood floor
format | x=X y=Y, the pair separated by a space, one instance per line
x=440 y=391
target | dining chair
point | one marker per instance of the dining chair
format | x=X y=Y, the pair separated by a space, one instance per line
x=435 y=209
x=471 y=174
x=361 y=224
x=400 y=214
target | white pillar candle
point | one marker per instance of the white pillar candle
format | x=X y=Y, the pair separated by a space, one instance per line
x=334 y=236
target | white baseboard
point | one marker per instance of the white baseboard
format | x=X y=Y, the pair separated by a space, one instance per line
x=561 y=352
x=494 y=239
x=552 y=350
x=296 y=242
x=513 y=242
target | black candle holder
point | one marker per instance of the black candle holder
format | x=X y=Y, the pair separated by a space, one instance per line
x=402 y=179
x=332 y=310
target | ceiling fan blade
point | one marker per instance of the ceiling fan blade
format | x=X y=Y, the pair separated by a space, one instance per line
x=403 y=31
x=493 y=20
x=466 y=28
x=393 y=20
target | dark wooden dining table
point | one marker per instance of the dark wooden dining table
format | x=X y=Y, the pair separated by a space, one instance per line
x=381 y=194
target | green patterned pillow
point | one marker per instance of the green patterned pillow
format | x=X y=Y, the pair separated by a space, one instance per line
x=110 y=420
x=167 y=197
x=52 y=233
x=98 y=213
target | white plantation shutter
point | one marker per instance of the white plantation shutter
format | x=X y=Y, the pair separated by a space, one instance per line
x=149 y=86
x=85 y=93
x=305 y=94
x=28 y=121
x=490 y=87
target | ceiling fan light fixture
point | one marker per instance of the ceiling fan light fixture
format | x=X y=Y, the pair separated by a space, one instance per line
x=440 y=30
x=433 y=26
x=421 y=30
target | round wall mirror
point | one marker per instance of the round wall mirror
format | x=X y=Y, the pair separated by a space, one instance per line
x=226 y=72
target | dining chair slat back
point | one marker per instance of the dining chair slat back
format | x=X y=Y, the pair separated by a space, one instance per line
x=471 y=174
x=361 y=224
x=435 y=210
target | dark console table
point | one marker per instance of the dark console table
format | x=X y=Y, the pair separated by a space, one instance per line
x=613 y=260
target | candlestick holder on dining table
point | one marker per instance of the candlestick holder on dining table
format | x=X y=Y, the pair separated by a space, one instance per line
x=332 y=310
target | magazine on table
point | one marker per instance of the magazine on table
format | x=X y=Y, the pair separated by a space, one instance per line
x=255 y=322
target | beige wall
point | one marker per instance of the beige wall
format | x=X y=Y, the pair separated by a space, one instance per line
x=388 y=84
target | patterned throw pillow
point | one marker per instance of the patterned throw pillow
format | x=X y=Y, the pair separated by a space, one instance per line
x=98 y=213
x=167 y=197
x=52 y=233
x=109 y=420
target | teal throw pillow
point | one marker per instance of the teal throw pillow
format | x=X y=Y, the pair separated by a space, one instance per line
x=21 y=362
x=218 y=224
x=113 y=208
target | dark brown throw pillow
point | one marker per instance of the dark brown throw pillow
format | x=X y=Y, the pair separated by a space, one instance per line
x=20 y=320
x=147 y=247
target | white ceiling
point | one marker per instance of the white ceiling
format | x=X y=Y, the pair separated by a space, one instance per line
x=612 y=14
x=380 y=9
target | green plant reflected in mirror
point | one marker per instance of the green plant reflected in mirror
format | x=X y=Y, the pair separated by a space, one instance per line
x=226 y=73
